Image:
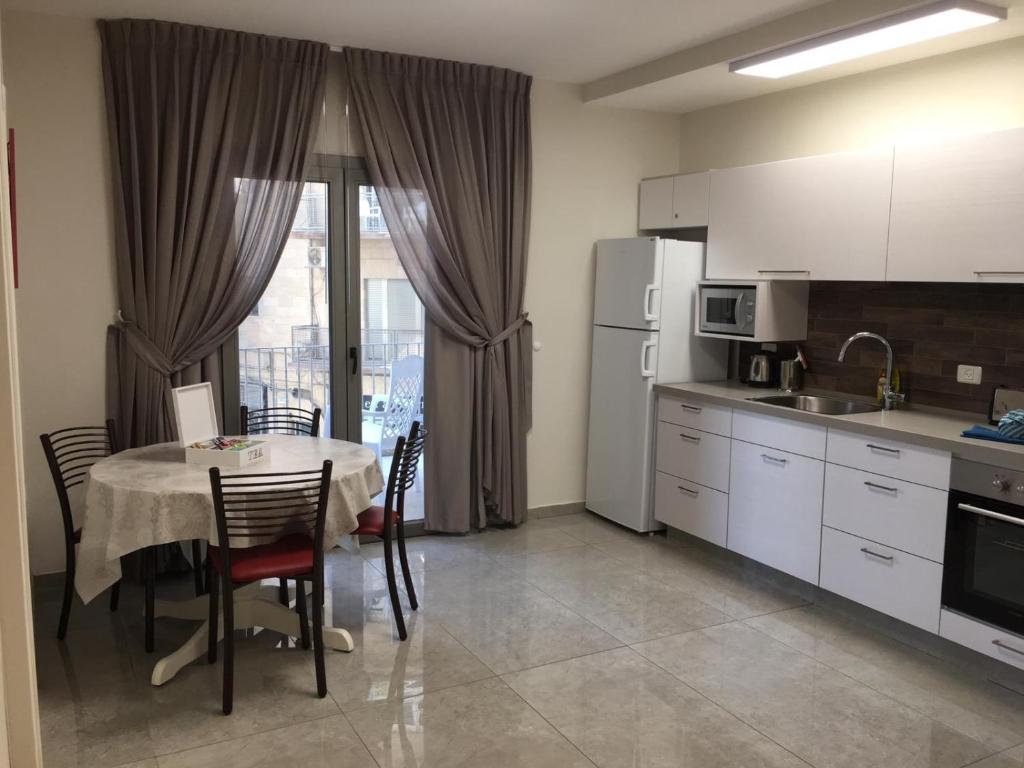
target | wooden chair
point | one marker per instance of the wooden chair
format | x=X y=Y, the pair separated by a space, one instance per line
x=384 y=522
x=275 y=508
x=283 y=420
x=70 y=453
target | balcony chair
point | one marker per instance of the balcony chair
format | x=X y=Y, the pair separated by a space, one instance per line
x=268 y=507
x=405 y=394
x=384 y=522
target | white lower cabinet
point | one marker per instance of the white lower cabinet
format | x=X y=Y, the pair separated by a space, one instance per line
x=889 y=580
x=693 y=455
x=997 y=643
x=775 y=508
x=700 y=511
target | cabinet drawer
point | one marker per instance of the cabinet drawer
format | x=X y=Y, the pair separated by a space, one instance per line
x=894 y=512
x=686 y=413
x=703 y=512
x=775 y=508
x=997 y=643
x=917 y=464
x=781 y=433
x=699 y=457
x=904 y=586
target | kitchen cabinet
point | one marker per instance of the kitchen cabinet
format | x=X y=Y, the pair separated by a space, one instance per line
x=693 y=455
x=926 y=466
x=700 y=511
x=775 y=508
x=982 y=638
x=958 y=210
x=673 y=202
x=812 y=218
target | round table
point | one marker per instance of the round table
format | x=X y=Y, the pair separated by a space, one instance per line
x=145 y=496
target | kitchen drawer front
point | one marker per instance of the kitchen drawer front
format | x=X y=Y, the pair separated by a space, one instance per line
x=784 y=434
x=690 y=454
x=703 y=512
x=898 y=584
x=899 y=514
x=927 y=466
x=775 y=508
x=696 y=415
x=997 y=643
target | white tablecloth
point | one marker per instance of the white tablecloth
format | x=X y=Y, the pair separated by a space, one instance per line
x=146 y=496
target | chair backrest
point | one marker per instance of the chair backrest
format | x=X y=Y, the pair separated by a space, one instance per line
x=280 y=420
x=405 y=391
x=263 y=507
x=404 y=465
x=70 y=453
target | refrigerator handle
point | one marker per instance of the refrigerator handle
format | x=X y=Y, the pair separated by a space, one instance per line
x=649 y=316
x=645 y=348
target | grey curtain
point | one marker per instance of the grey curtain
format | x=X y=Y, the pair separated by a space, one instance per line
x=448 y=149
x=210 y=133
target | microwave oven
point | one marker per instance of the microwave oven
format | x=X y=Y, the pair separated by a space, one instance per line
x=758 y=310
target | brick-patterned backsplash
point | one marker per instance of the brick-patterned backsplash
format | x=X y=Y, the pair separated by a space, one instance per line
x=932 y=327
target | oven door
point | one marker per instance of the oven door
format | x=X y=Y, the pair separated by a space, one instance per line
x=983 y=574
x=727 y=310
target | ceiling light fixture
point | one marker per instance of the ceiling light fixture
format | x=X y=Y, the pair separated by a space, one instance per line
x=915 y=25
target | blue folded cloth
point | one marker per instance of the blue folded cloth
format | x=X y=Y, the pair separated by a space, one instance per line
x=987 y=433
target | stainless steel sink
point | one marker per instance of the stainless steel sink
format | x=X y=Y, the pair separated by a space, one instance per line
x=831 y=406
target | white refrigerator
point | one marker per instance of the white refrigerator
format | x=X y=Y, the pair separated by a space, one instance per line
x=643 y=334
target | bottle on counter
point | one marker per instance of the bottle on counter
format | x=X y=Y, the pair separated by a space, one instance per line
x=880 y=388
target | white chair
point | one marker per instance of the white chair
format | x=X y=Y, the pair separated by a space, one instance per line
x=405 y=393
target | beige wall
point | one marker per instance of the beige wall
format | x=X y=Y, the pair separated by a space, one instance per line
x=66 y=296
x=979 y=89
x=587 y=163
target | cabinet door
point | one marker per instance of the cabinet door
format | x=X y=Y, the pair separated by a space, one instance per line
x=690 y=200
x=656 y=203
x=958 y=210
x=813 y=218
x=775 y=508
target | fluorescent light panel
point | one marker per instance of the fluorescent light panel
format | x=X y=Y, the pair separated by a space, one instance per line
x=914 y=26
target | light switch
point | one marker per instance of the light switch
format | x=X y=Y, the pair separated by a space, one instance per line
x=968 y=374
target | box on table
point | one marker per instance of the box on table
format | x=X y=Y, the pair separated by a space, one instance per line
x=196 y=418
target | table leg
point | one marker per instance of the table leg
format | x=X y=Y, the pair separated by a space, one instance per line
x=256 y=606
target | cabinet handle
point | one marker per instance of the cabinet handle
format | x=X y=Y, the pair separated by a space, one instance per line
x=690 y=491
x=691 y=408
x=774 y=459
x=691 y=438
x=867 y=551
x=874 y=447
x=1007 y=647
x=878 y=487
x=783 y=271
x=983 y=272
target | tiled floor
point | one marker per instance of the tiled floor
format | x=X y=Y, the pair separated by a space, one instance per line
x=567 y=642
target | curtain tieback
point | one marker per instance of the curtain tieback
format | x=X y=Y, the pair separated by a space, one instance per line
x=512 y=328
x=144 y=347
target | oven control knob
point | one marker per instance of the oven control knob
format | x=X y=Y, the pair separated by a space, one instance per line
x=1020 y=489
x=1000 y=483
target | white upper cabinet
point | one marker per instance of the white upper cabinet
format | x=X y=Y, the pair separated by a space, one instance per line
x=672 y=202
x=812 y=218
x=958 y=210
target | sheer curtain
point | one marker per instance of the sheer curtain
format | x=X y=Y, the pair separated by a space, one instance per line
x=448 y=149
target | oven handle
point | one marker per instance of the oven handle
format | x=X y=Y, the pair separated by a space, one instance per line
x=988 y=513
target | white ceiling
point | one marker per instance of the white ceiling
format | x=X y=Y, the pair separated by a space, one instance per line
x=569 y=41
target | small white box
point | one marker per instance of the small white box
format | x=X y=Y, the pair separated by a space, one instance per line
x=196 y=418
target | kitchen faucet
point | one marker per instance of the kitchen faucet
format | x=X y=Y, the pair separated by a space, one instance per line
x=889 y=397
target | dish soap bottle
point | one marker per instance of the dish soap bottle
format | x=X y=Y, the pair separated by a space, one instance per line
x=880 y=387
x=897 y=385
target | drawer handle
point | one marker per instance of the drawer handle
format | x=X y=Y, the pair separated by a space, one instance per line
x=983 y=272
x=867 y=551
x=689 y=437
x=692 y=408
x=874 y=447
x=989 y=513
x=878 y=487
x=1007 y=647
x=783 y=271
x=690 y=491
x=775 y=459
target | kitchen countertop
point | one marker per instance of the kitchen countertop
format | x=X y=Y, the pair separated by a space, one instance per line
x=933 y=429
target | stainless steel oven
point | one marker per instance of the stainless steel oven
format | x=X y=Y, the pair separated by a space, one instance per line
x=728 y=309
x=983 y=573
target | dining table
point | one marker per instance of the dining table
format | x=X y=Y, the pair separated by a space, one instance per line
x=142 y=497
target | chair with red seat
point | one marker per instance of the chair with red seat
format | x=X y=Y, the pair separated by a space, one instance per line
x=70 y=453
x=384 y=522
x=273 y=525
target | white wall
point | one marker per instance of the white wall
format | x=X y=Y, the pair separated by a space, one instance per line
x=587 y=164
x=979 y=89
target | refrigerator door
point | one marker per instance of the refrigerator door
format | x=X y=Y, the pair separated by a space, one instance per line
x=627 y=291
x=619 y=445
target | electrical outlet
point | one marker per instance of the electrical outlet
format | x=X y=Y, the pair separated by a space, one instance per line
x=968 y=374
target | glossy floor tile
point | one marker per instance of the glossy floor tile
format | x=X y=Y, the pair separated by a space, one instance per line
x=565 y=642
